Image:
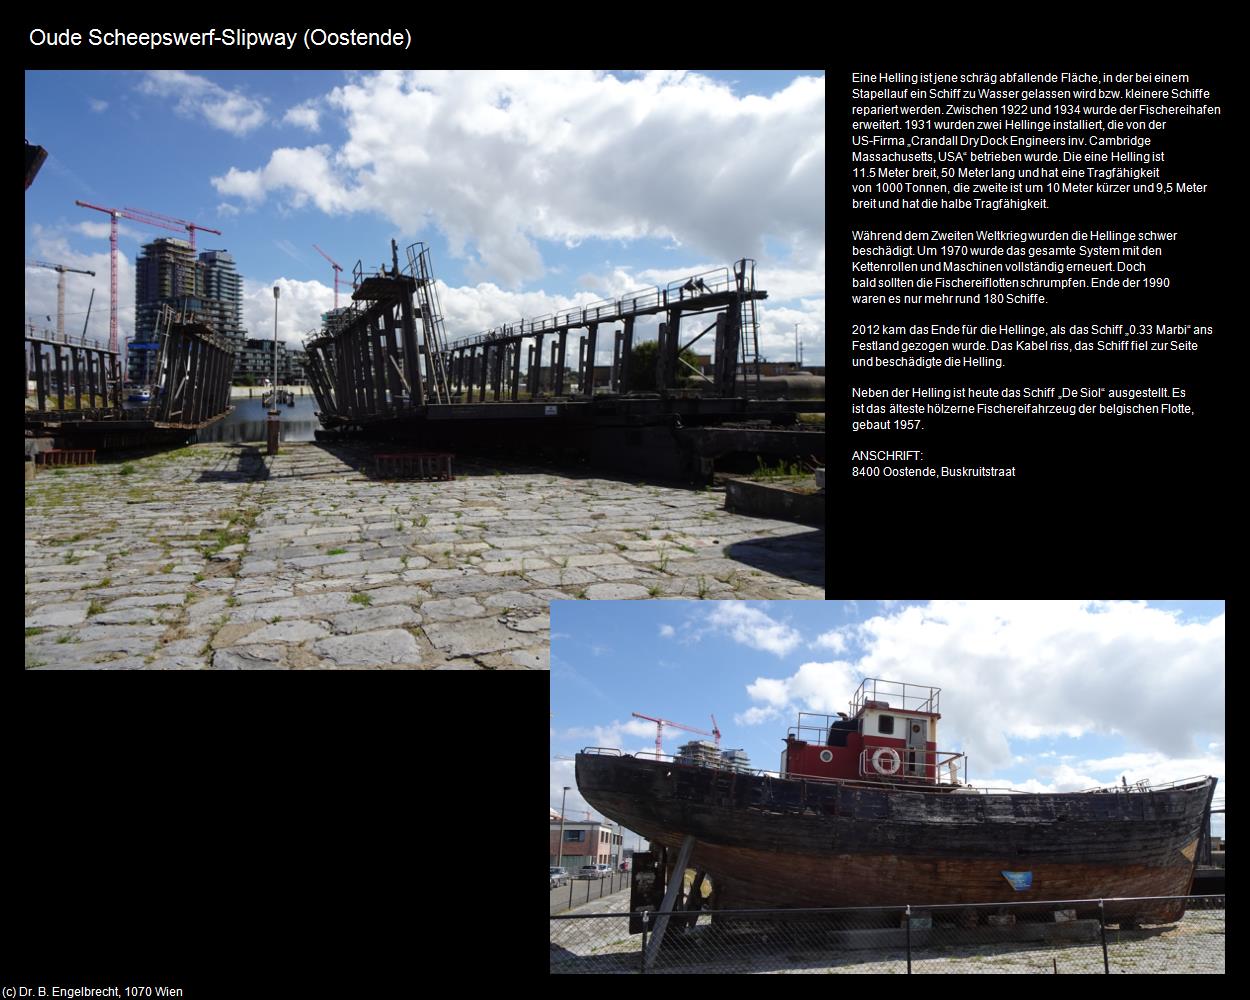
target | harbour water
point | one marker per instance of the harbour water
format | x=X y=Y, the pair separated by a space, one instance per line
x=247 y=422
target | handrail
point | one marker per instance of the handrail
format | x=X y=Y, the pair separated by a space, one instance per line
x=714 y=282
x=68 y=339
x=886 y=689
x=981 y=789
x=929 y=771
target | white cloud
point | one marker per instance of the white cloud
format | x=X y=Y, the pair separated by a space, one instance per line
x=814 y=687
x=833 y=640
x=52 y=245
x=96 y=230
x=752 y=627
x=1153 y=767
x=306 y=116
x=97 y=105
x=613 y=734
x=756 y=716
x=299 y=308
x=667 y=631
x=308 y=175
x=196 y=96
x=1030 y=669
x=500 y=159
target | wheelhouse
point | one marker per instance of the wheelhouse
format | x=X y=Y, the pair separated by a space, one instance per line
x=890 y=734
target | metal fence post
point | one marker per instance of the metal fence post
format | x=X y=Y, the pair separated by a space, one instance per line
x=1102 y=929
x=642 y=957
x=571 y=893
x=907 y=917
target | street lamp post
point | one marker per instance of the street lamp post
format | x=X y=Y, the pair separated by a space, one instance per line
x=273 y=427
x=560 y=846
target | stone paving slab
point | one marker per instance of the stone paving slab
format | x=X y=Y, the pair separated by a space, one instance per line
x=217 y=557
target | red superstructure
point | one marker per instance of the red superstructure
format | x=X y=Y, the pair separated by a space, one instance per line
x=889 y=735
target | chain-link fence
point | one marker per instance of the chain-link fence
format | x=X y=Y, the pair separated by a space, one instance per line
x=579 y=891
x=1099 y=936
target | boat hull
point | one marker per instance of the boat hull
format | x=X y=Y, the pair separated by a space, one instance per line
x=770 y=842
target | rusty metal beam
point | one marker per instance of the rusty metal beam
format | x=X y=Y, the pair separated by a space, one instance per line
x=41 y=389
x=592 y=337
x=73 y=354
x=627 y=347
x=564 y=336
x=60 y=378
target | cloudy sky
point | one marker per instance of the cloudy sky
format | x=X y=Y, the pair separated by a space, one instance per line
x=536 y=191
x=1041 y=696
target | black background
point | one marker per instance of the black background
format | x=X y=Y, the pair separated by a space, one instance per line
x=1123 y=505
x=340 y=833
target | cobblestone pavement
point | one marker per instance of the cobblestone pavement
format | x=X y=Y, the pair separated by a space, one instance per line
x=216 y=556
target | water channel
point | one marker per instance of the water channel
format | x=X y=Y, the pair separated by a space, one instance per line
x=247 y=422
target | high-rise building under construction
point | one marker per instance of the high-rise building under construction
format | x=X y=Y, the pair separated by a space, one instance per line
x=168 y=273
x=222 y=293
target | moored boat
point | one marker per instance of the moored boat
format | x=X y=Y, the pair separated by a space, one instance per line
x=866 y=810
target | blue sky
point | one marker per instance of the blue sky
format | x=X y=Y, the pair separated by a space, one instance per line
x=1040 y=695
x=535 y=190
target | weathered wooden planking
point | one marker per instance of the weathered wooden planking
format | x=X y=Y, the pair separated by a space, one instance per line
x=832 y=843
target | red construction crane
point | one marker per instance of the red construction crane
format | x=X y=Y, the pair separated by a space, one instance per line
x=661 y=723
x=113 y=213
x=60 y=270
x=337 y=268
x=190 y=227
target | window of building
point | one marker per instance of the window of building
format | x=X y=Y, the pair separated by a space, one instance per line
x=885 y=725
x=577 y=835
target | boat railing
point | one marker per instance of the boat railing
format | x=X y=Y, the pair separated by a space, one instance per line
x=1145 y=786
x=756 y=772
x=877 y=780
x=908 y=764
x=905 y=697
x=813 y=731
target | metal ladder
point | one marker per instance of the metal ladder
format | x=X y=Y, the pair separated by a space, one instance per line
x=749 y=364
x=431 y=320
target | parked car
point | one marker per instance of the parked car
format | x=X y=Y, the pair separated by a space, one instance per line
x=558 y=877
x=595 y=871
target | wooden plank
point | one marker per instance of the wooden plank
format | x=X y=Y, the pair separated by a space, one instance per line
x=670 y=899
x=798 y=843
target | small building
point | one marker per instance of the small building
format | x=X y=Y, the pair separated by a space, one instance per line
x=585 y=843
x=255 y=362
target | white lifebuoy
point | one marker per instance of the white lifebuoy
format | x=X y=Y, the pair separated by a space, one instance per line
x=826 y=756
x=889 y=754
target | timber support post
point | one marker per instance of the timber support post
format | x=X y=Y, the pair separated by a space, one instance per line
x=670 y=899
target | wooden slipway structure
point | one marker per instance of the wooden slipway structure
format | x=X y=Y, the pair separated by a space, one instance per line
x=78 y=388
x=868 y=813
x=384 y=369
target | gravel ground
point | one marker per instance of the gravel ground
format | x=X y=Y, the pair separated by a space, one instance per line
x=1194 y=945
x=218 y=557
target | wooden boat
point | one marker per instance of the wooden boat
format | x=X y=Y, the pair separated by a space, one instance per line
x=866 y=811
